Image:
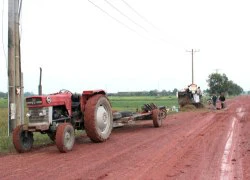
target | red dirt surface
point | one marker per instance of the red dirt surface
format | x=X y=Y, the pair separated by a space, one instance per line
x=207 y=144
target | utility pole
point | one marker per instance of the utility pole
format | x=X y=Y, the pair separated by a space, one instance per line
x=217 y=71
x=192 y=53
x=14 y=65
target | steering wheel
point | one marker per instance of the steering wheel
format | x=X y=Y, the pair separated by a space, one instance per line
x=65 y=91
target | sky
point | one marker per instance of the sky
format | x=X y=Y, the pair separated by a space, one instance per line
x=128 y=45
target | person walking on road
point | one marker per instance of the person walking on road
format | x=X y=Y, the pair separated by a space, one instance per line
x=222 y=100
x=214 y=100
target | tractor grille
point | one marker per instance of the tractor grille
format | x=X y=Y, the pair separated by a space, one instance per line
x=35 y=118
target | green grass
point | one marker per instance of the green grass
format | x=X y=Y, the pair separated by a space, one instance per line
x=118 y=103
x=3 y=103
x=5 y=140
x=132 y=103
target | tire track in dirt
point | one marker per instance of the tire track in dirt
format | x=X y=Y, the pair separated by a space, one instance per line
x=231 y=155
x=38 y=158
x=189 y=156
x=64 y=160
x=185 y=168
x=188 y=146
x=241 y=153
x=161 y=145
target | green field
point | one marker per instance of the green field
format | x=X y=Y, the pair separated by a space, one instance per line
x=131 y=103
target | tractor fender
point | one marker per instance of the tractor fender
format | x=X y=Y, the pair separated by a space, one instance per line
x=92 y=92
x=88 y=94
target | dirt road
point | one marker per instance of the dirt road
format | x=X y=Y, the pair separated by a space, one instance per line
x=190 y=145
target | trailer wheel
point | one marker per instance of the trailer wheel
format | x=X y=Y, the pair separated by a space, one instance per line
x=157 y=119
x=98 y=118
x=22 y=139
x=65 y=137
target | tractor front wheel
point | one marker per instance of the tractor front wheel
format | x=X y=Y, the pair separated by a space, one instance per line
x=65 y=137
x=98 y=118
x=22 y=139
x=157 y=119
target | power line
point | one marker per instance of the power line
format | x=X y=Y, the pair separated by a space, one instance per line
x=161 y=39
x=156 y=38
x=138 y=14
x=112 y=16
x=123 y=14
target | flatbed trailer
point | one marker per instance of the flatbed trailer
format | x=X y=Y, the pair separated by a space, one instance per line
x=149 y=112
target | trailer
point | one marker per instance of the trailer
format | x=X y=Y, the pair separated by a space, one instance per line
x=149 y=112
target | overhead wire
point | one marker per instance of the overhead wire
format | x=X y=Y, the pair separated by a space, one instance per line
x=123 y=14
x=111 y=16
x=161 y=39
x=120 y=22
x=138 y=14
x=150 y=37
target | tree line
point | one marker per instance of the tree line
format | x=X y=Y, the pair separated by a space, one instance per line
x=217 y=84
x=154 y=92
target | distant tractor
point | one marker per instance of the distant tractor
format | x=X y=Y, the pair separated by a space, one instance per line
x=59 y=114
x=190 y=96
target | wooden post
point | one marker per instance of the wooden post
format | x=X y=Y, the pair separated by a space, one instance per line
x=18 y=65
x=14 y=65
x=11 y=65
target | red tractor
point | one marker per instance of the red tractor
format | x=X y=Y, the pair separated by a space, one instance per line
x=59 y=114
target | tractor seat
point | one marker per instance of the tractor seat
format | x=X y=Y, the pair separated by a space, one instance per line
x=75 y=100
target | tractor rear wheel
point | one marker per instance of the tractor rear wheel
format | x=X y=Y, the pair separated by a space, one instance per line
x=65 y=137
x=157 y=119
x=22 y=139
x=98 y=118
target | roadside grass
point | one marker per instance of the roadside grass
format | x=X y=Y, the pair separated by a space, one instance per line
x=5 y=141
x=3 y=103
x=118 y=103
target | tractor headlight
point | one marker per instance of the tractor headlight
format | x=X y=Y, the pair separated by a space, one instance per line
x=28 y=115
x=43 y=113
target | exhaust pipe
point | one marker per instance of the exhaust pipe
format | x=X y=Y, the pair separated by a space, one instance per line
x=40 y=83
